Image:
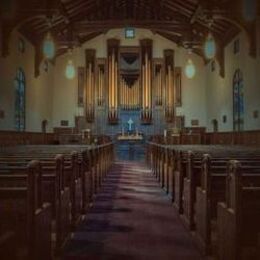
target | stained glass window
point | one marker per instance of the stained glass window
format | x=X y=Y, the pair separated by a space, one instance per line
x=19 y=84
x=238 y=101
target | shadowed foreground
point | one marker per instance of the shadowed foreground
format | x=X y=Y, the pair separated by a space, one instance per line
x=132 y=218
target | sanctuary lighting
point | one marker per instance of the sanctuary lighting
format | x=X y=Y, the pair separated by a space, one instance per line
x=70 y=70
x=190 y=69
x=49 y=47
x=210 y=47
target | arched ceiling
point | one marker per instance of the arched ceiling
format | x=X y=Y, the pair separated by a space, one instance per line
x=73 y=22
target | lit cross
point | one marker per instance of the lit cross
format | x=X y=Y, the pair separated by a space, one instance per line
x=130 y=123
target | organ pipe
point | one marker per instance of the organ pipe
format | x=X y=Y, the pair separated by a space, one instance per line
x=146 y=50
x=113 y=47
x=90 y=85
x=157 y=83
x=169 y=85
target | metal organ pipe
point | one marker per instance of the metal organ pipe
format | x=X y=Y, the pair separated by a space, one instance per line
x=115 y=84
x=113 y=81
x=109 y=81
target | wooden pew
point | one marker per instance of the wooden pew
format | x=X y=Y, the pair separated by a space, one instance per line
x=53 y=191
x=169 y=165
x=7 y=242
x=25 y=219
x=238 y=217
x=191 y=175
x=70 y=167
x=96 y=164
x=210 y=192
x=72 y=177
x=179 y=174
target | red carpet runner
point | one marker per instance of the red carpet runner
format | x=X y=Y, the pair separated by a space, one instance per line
x=132 y=218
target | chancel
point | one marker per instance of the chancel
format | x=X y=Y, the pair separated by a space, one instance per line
x=129 y=129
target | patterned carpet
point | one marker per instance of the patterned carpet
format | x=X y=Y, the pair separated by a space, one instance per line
x=132 y=218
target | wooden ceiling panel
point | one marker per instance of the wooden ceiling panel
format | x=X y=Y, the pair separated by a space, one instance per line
x=176 y=19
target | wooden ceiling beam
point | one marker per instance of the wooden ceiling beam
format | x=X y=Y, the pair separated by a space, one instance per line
x=82 y=7
x=196 y=14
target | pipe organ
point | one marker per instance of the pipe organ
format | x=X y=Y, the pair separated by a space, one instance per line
x=158 y=86
x=169 y=86
x=90 y=85
x=101 y=80
x=129 y=79
x=146 y=79
x=129 y=95
x=113 y=51
x=177 y=78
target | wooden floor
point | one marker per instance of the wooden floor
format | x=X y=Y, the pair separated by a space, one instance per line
x=132 y=218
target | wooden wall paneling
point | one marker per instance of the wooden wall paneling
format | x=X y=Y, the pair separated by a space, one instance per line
x=10 y=138
x=234 y=138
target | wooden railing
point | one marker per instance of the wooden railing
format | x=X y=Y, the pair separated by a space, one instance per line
x=228 y=138
x=234 y=138
x=8 y=138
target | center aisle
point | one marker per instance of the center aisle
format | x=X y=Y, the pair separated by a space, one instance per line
x=131 y=218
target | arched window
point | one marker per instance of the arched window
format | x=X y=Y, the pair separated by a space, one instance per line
x=19 y=83
x=238 y=101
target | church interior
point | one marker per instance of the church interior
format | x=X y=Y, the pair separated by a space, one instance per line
x=130 y=129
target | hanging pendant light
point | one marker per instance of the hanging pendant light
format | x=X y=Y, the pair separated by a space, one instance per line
x=70 y=71
x=190 y=69
x=249 y=10
x=210 y=48
x=49 y=47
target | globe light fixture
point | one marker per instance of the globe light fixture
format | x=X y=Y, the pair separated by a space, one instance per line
x=48 y=47
x=190 y=69
x=210 y=48
x=70 y=70
x=249 y=10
